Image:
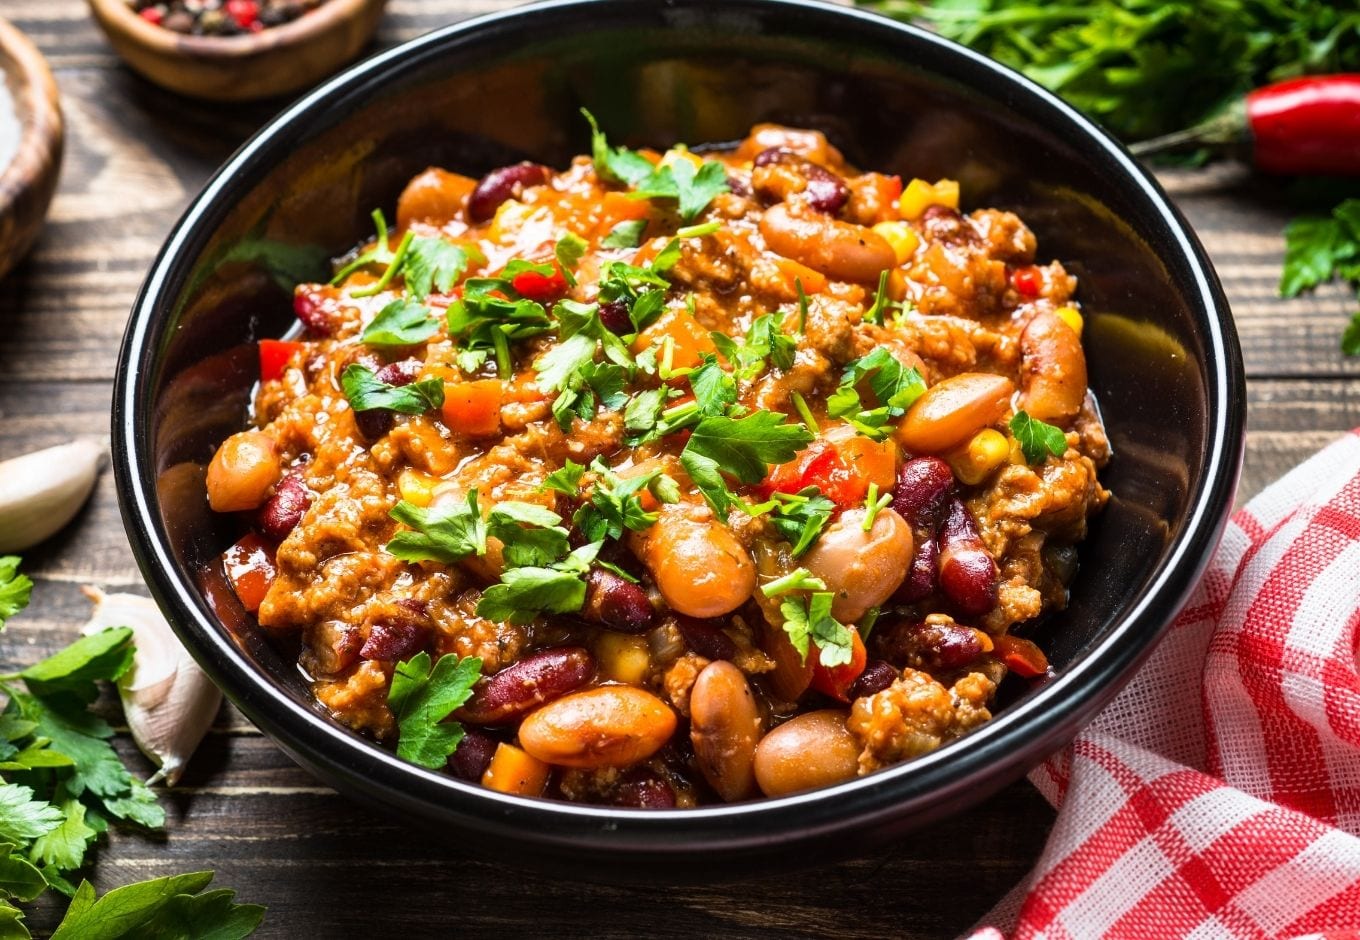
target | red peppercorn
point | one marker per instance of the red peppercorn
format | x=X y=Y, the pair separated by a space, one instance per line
x=152 y=15
x=244 y=12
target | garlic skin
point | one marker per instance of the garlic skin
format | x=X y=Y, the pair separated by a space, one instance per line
x=42 y=491
x=168 y=701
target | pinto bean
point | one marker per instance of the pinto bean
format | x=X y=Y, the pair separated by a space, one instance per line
x=525 y=685
x=923 y=488
x=508 y=182
x=240 y=474
x=607 y=726
x=616 y=603
x=840 y=250
x=862 y=569
x=1052 y=370
x=284 y=510
x=807 y=751
x=434 y=196
x=698 y=564
x=952 y=411
x=805 y=143
x=968 y=574
x=724 y=728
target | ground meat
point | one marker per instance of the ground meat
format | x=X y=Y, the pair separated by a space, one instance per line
x=915 y=715
x=678 y=680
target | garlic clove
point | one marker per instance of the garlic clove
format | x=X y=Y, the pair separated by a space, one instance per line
x=42 y=491
x=168 y=701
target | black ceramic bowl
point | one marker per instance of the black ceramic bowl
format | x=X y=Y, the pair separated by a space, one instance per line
x=1163 y=359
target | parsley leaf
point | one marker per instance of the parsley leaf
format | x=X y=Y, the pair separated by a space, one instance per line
x=811 y=621
x=380 y=253
x=22 y=818
x=529 y=534
x=421 y=698
x=168 y=908
x=741 y=447
x=15 y=588
x=212 y=915
x=1350 y=339
x=615 y=503
x=800 y=517
x=449 y=535
x=764 y=341
x=433 y=263
x=568 y=251
x=715 y=389
x=566 y=480
x=63 y=848
x=481 y=319
x=366 y=391
x=103 y=655
x=616 y=164
x=524 y=593
x=895 y=387
x=403 y=322
x=1036 y=438
x=695 y=189
x=1314 y=248
x=625 y=235
x=643 y=413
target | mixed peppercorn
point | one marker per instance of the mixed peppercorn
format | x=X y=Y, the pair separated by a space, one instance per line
x=221 y=17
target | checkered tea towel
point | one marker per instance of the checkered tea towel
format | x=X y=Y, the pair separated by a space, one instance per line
x=1219 y=794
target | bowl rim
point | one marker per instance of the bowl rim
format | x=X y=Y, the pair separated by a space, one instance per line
x=333 y=14
x=948 y=779
x=37 y=107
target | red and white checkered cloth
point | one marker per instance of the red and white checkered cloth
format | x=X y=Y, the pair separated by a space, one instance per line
x=1219 y=794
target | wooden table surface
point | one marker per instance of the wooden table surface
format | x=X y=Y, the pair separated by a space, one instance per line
x=327 y=868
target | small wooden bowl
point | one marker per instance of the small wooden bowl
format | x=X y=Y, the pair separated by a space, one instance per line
x=29 y=178
x=275 y=61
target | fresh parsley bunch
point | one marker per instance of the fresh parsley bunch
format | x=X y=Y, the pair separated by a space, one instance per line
x=62 y=784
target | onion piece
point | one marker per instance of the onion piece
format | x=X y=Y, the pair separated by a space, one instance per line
x=168 y=701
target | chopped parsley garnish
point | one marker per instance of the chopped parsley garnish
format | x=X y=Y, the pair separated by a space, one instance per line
x=799 y=579
x=366 y=392
x=449 y=535
x=403 y=322
x=481 y=319
x=800 y=517
x=422 y=698
x=568 y=251
x=524 y=593
x=810 y=621
x=435 y=264
x=615 y=503
x=625 y=235
x=642 y=417
x=875 y=313
x=692 y=187
x=380 y=253
x=873 y=505
x=805 y=413
x=567 y=480
x=765 y=342
x=802 y=305
x=894 y=385
x=740 y=447
x=1036 y=438
x=570 y=369
x=715 y=389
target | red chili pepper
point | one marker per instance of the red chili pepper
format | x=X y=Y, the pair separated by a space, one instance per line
x=543 y=288
x=835 y=681
x=244 y=12
x=1027 y=281
x=274 y=356
x=1302 y=126
x=152 y=15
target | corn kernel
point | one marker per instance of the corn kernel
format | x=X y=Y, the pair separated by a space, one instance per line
x=680 y=153
x=1072 y=317
x=974 y=462
x=901 y=237
x=416 y=487
x=622 y=658
x=920 y=195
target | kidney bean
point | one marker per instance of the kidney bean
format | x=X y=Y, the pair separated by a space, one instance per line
x=614 y=316
x=643 y=788
x=948 y=226
x=825 y=191
x=401 y=372
x=706 y=639
x=807 y=751
x=376 y=422
x=920 y=581
x=924 y=485
x=724 y=728
x=616 y=603
x=932 y=646
x=502 y=184
x=607 y=726
x=876 y=677
x=525 y=685
x=283 y=511
x=318 y=307
x=473 y=756
x=968 y=574
x=393 y=640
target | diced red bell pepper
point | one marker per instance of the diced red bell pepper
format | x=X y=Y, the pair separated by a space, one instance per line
x=543 y=288
x=244 y=12
x=835 y=681
x=153 y=15
x=1027 y=281
x=1021 y=656
x=274 y=356
x=250 y=568
x=821 y=466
